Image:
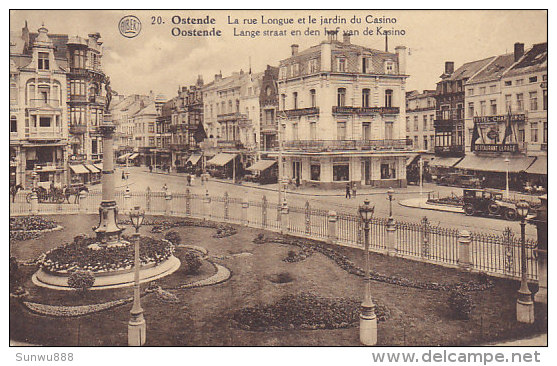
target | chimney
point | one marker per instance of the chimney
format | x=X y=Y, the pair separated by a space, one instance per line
x=449 y=67
x=200 y=80
x=325 y=56
x=218 y=76
x=294 y=48
x=518 y=51
x=346 y=38
x=401 y=53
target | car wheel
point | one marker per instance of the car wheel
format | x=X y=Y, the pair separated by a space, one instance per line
x=469 y=209
x=493 y=208
x=510 y=214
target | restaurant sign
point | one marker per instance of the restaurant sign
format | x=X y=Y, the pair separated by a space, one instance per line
x=500 y=118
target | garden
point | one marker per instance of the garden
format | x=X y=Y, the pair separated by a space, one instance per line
x=239 y=286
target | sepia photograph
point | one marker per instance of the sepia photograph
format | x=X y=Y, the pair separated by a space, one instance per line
x=300 y=178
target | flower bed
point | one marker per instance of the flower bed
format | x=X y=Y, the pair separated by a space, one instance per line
x=31 y=223
x=69 y=311
x=223 y=230
x=349 y=266
x=78 y=255
x=303 y=311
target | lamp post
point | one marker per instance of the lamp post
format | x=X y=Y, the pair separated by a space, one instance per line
x=524 y=303
x=136 y=325
x=507 y=179
x=368 y=320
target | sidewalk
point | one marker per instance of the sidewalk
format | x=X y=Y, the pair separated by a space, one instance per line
x=422 y=203
x=537 y=341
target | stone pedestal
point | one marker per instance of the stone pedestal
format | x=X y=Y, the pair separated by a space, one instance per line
x=464 y=250
x=391 y=237
x=332 y=228
x=284 y=218
x=541 y=295
x=525 y=309
x=245 y=207
x=207 y=206
x=368 y=325
x=168 y=203
x=137 y=330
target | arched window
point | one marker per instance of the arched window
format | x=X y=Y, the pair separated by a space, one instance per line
x=388 y=98
x=341 y=97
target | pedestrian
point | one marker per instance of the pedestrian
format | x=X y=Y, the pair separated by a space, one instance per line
x=150 y=168
x=354 y=190
x=348 y=190
x=188 y=178
x=164 y=188
x=297 y=181
x=123 y=175
x=192 y=179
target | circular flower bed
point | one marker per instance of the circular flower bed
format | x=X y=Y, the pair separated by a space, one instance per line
x=81 y=254
x=31 y=223
x=303 y=311
x=223 y=230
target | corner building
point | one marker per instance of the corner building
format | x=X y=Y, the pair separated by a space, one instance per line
x=339 y=116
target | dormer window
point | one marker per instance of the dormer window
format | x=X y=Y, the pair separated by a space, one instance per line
x=366 y=65
x=43 y=61
x=312 y=65
x=295 y=69
x=341 y=64
x=389 y=67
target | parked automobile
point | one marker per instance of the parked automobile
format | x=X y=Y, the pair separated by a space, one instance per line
x=459 y=180
x=484 y=202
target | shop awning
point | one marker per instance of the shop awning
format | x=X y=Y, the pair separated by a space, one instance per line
x=79 y=169
x=444 y=162
x=495 y=164
x=262 y=165
x=133 y=156
x=99 y=166
x=539 y=166
x=92 y=168
x=221 y=159
x=123 y=157
x=193 y=159
x=47 y=168
x=411 y=158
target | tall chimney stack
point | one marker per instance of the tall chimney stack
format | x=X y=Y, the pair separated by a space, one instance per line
x=401 y=52
x=294 y=48
x=346 y=38
x=449 y=67
x=518 y=51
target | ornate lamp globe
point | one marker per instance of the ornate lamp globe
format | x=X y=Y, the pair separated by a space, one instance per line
x=390 y=192
x=137 y=215
x=522 y=209
x=366 y=211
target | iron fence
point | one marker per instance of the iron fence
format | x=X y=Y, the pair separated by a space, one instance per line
x=493 y=254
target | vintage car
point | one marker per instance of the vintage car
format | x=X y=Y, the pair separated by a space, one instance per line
x=484 y=202
x=459 y=180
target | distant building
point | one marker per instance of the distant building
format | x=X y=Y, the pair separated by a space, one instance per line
x=268 y=103
x=342 y=116
x=420 y=117
x=122 y=112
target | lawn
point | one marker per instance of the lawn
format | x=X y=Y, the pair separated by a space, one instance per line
x=203 y=316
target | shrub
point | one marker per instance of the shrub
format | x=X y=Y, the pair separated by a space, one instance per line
x=193 y=262
x=15 y=274
x=173 y=237
x=81 y=280
x=460 y=303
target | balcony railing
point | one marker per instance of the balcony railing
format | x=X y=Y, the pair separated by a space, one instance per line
x=446 y=123
x=498 y=148
x=331 y=145
x=179 y=147
x=231 y=117
x=269 y=128
x=365 y=110
x=44 y=103
x=78 y=129
x=449 y=150
x=300 y=112
x=78 y=98
x=46 y=133
x=230 y=144
x=44 y=166
x=98 y=99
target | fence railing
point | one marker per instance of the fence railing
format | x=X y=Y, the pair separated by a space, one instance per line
x=497 y=255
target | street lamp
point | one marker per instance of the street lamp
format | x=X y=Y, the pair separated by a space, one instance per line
x=507 y=180
x=524 y=303
x=368 y=320
x=136 y=325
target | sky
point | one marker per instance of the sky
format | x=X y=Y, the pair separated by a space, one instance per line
x=158 y=61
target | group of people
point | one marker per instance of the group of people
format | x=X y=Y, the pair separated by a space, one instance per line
x=350 y=190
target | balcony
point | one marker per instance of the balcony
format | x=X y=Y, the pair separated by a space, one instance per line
x=179 y=147
x=78 y=98
x=365 y=111
x=499 y=148
x=78 y=129
x=45 y=103
x=269 y=129
x=230 y=144
x=96 y=157
x=449 y=150
x=332 y=145
x=300 y=112
x=98 y=99
x=44 y=166
x=231 y=117
x=46 y=133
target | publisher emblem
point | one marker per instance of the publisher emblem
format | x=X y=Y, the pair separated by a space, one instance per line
x=129 y=26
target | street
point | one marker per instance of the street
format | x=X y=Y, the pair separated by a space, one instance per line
x=140 y=179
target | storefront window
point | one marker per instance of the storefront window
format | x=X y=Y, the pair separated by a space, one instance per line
x=341 y=172
x=388 y=171
x=315 y=172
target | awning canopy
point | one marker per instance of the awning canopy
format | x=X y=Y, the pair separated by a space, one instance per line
x=444 y=162
x=262 y=165
x=411 y=158
x=99 y=166
x=123 y=157
x=92 y=168
x=495 y=164
x=133 y=156
x=221 y=159
x=193 y=159
x=79 y=169
x=47 y=168
x=539 y=166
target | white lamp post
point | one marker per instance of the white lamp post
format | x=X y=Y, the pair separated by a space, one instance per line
x=507 y=180
x=524 y=303
x=136 y=325
x=368 y=320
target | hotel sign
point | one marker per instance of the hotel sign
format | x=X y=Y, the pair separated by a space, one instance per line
x=366 y=110
x=500 y=118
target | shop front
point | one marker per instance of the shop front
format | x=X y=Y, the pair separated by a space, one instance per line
x=263 y=172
